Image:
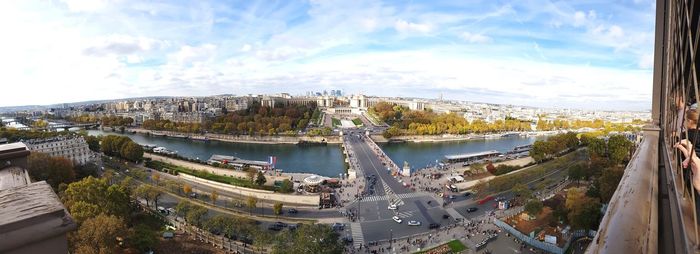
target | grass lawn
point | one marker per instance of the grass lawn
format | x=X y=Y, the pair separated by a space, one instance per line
x=357 y=122
x=454 y=246
x=159 y=165
x=335 y=121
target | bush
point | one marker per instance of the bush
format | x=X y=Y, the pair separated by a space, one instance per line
x=505 y=169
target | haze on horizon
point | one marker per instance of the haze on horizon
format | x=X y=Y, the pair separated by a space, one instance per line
x=535 y=53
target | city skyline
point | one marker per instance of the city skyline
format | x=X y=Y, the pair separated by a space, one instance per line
x=540 y=53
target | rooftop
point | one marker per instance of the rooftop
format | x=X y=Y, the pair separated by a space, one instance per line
x=13 y=177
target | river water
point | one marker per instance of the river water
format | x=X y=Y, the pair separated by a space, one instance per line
x=322 y=160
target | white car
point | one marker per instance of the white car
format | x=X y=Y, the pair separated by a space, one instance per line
x=392 y=207
x=397 y=219
x=414 y=223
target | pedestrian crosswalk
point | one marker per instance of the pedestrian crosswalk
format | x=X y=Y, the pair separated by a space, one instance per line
x=410 y=195
x=375 y=198
x=393 y=198
x=357 y=236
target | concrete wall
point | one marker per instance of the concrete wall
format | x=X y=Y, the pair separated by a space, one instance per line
x=259 y=194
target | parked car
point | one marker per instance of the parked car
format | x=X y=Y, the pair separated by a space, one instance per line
x=397 y=219
x=414 y=223
x=472 y=209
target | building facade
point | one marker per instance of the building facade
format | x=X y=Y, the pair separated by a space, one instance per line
x=72 y=147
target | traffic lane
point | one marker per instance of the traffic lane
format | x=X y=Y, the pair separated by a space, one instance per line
x=226 y=200
x=377 y=166
x=379 y=230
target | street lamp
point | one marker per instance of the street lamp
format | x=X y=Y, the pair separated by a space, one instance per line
x=391 y=238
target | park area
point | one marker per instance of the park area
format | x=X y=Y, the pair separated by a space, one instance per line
x=454 y=246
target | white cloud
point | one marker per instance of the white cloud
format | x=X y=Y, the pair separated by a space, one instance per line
x=405 y=26
x=646 y=61
x=475 y=38
x=188 y=54
x=616 y=31
x=579 y=18
x=122 y=45
x=85 y=5
x=246 y=48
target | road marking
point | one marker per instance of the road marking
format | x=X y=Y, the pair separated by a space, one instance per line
x=357 y=236
x=405 y=214
x=454 y=213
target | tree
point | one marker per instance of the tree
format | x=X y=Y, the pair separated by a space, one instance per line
x=155 y=178
x=260 y=179
x=98 y=197
x=143 y=238
x=608 y=183
x=93 y=142
x=619 y=148
x=214 y=196
x=99 y=235
x=132 y=151
x=277 y=208
x=534 y=207
x=53 y=170
x=85 y=170
x=148 y=193
x=287 y=186
x=186 y=188
x=250 y=172
x=183 y=207
x=521 y=191
x=195 y=215
x=577 y=172
x=584 y=211
x=477 y=167
x=314 y=238
x=252 y=202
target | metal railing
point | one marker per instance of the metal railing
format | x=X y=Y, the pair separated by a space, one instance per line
x=654 y=208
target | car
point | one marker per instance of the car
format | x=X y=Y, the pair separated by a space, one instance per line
x=414 y=223
x=293 y=226
x=397 y=219
x=467 y=194
x=171 y=210
x=338 y=226
x=433 y=226
x=472 y=209
x=452 y=196
x=193 y=195
x=392 y=207
x=293 y=211
x=274 y=227
x=445 y=216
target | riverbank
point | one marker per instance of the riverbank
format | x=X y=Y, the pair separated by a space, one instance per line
x=242 y=138
x=455 y=138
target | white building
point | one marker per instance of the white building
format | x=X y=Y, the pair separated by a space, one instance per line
x=73 y=148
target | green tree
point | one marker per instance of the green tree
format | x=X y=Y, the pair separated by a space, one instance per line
x=143 y=238
x=99 y=235
x=477 y=167
x=183 y=207
x=534 y=207
x=577 y=172
x=195 y=215
x=521 y=191
x=287 y=186
x=315 y=238
x=608 y=183
x=260 y=179
x=251 y=202
x=250 y=172
x=277 y=208
x=98 y=196
x=619 y=148
x=132 y=151
x=53 y=170
x=93 y=142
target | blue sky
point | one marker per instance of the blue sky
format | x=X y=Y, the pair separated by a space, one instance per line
x=595 y=55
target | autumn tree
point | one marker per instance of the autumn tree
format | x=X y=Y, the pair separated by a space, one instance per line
x=584 y=211
x=99 y=235
x=277 y=208
x=186 y=188
x=53 y=170
x=91 y=196
x=287 y=186
x=214 y=196
x=251 y=202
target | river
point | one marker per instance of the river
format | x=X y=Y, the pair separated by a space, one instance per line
x=323 y=160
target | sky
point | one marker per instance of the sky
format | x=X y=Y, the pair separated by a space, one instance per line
x=567 y=54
